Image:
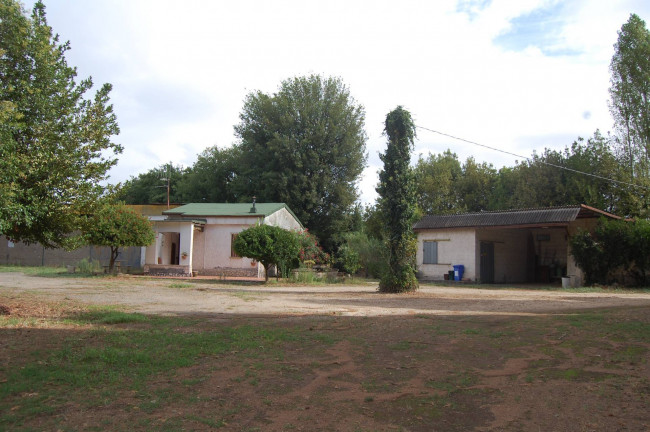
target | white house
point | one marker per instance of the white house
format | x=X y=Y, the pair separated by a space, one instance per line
x=197 y=238
x=530 y=245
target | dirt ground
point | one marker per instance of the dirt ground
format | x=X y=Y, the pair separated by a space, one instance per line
x=441 y=359
x=204 y=296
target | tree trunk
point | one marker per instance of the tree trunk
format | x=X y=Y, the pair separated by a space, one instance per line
x=114 y=254
x=266 y=272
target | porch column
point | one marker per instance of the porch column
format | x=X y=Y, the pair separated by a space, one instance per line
x=186 y=245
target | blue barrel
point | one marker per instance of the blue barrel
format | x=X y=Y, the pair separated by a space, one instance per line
x=458 y=272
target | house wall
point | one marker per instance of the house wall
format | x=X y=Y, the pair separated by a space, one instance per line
x=510 y=253
x=455 y=246
x=283 y=219
x=212 y=251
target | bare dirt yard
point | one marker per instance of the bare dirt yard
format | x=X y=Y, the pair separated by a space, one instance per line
x=134 y=353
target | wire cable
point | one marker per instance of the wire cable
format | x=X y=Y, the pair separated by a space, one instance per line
x=530 y=159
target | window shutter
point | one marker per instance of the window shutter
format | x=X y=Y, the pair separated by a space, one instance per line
x=430 y=252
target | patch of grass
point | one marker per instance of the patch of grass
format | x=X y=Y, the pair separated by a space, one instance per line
x=180 y=285
x=207 y=421
x=112 y=358
x=247 y=296
x=454 y=382
x=29 y=270
x=632 y=354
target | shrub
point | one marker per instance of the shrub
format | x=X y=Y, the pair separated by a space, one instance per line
x=616 y=252
x=89 y=267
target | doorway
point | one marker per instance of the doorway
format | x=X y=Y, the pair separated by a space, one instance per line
x=487 y=262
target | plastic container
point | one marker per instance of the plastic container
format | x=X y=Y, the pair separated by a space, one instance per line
x=566 y=282
x=458 y=272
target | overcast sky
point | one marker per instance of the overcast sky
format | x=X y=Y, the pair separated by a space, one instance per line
x=520 y=75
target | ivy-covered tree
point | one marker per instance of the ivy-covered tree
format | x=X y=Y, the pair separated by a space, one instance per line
x=304 y=145
x=116 y=226
x=397 y=203
x=270 y=245
x=55 y=143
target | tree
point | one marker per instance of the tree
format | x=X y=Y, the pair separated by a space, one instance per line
x=118 y=226
x=269 y=245
x=151 y=187
x=210 y=178
x=397 y=202
x=304 y=146
x=55 y=147
x=438 y=177
x=630 y=95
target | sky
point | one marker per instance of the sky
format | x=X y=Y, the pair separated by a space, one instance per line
x=518 y=75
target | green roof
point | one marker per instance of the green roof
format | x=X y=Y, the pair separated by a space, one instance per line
x=224 y=209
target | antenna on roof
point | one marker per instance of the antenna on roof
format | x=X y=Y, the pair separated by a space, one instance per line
x=253 y=209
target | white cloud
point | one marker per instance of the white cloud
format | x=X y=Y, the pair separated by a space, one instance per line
x=182 y=69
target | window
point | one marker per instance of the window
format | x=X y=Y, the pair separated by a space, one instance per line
x=233 y=254
x=430 y=252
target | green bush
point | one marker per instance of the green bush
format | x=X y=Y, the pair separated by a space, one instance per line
x=348 y=259
x=372 y=253
x=89 y=266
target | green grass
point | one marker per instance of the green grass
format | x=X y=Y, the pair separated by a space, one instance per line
x=180 y=285
x=95 y=365
x=35 y=271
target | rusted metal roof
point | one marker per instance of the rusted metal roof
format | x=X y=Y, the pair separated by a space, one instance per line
x=524 y=217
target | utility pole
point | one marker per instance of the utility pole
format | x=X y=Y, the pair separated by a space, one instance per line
x=168 y=180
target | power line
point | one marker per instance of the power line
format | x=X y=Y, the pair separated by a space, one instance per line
x=530 y=159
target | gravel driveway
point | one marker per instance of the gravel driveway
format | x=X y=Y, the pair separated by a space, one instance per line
x=180 y=297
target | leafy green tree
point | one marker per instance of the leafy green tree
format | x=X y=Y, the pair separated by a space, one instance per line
x=438 y=178
x=476 y=186
x=210 y=178
x=55 y=144
x=397 y=203
x=269 y=245
x=151 y=187
x=116 y=226
x=304 y=146
x=630 y=95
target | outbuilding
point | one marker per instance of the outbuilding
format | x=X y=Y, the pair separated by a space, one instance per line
x=512 y=246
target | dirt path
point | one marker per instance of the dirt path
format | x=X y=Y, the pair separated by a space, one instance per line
x=180 y=297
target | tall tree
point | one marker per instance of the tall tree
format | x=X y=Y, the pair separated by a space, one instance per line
x=630 y=94
x=55 y=144
x=397 y=202
x=305 y=146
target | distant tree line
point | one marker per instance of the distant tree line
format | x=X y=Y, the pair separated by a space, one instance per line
x=445 y=185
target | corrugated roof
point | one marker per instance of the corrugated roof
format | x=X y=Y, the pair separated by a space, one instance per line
x=538 y=216
x=227 y=209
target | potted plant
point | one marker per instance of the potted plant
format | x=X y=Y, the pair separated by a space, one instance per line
x=184 y=255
